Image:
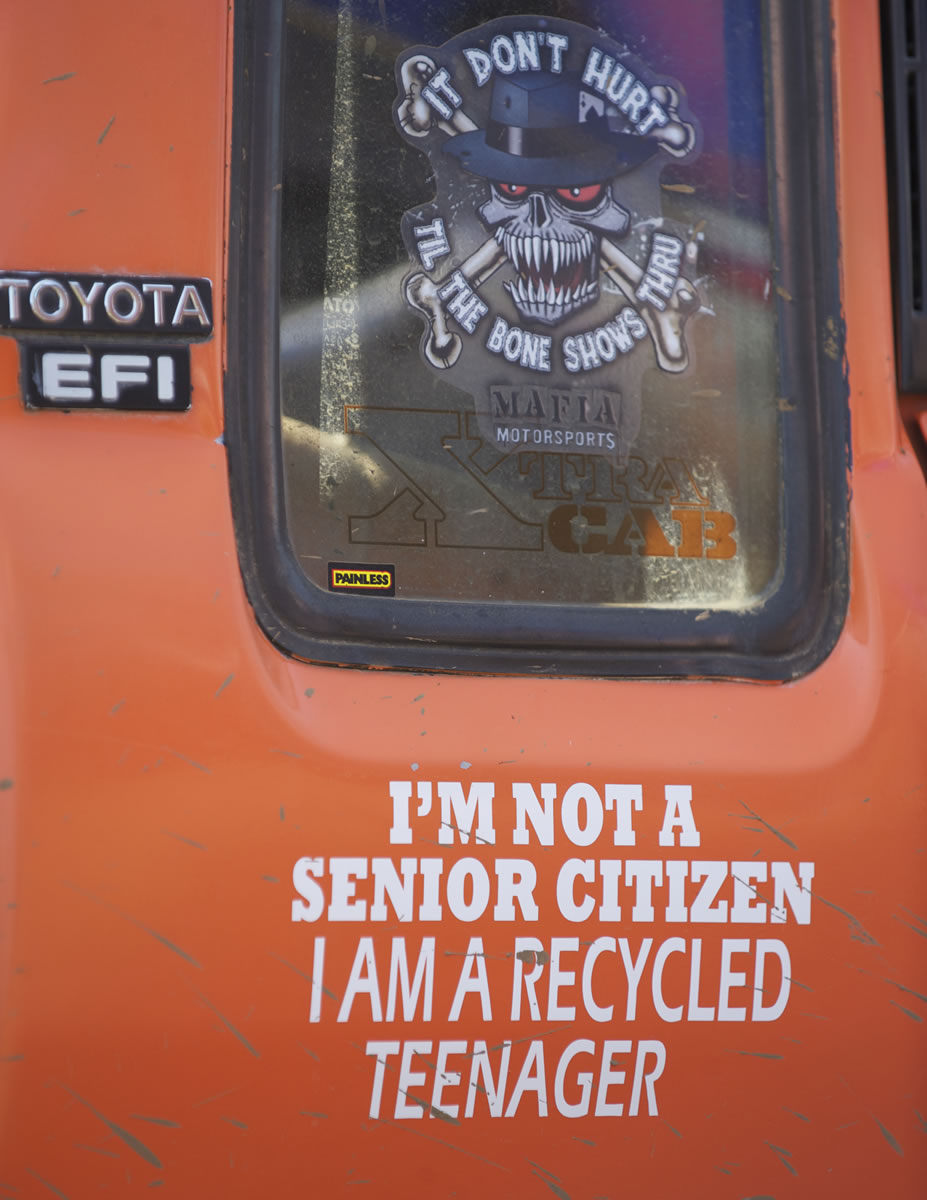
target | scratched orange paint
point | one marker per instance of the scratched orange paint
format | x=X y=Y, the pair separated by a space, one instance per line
x=164 y=767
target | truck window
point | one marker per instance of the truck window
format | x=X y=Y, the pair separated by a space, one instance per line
x=553 y=374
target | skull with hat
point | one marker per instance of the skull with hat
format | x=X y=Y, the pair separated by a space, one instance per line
x=550 y=150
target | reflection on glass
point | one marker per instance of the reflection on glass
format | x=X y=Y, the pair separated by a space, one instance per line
x=528 y=312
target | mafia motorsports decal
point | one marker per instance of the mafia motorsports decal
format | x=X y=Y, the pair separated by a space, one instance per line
x=362 y=579
x=547 y=140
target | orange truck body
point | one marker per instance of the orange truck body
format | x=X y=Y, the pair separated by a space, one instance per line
x=164 y=766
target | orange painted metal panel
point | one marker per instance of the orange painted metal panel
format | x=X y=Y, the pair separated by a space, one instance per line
x=163 y=768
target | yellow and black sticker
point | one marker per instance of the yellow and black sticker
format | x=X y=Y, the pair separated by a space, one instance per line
x=363 y=579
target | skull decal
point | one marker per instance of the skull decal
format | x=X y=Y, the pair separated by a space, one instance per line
x=552 y=238
x=544 y=264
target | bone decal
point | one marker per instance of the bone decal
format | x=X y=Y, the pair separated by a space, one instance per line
x=547 y=140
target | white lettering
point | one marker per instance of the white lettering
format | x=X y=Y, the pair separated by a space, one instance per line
x=481 y=1068
x=557 y=978
x=633 y=970
x=596 y=1011
x=409 y=1079
x=386 y=882
x=190 y=305
x=503 y=54
x=480 y=65
x=578 y=833
x=36 y=303
x=136 y=304
x=13 y=288
x=670 y=946
x=697 y=1012
x=528 y=808
x=607 y=1076
x=658 y=1050
x=646 y=873
x=86 y=300
x=312 y=905
x=573 y=869
x=584 y=1079
x=381 y=1051
x=528 y=1082
x=165 y=378
x=400 y=832
x=765 y=948
x=445 y=1078
x=731 y=979
x=65 y=376
x=422 y=984
x=528 y=951
x=121 y=370
x=159 y=291
x=516 y=880
x=676 y=872
x=473 y=979
x=318 y=975
x=787 y=887
x=714 y=874
x=678 y=814
x=746 y=908
x=460 y=814
x=362 y=982
x=610 y=909
x=623 y=797
x=557 y=43
x=464 y=872
x=344 y=875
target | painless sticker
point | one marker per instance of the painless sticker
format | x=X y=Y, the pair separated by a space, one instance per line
x=547 y=140
x=362 y=579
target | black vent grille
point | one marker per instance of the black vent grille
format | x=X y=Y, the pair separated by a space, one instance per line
x=904 y=42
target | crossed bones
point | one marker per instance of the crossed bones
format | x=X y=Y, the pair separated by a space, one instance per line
x=442 y=347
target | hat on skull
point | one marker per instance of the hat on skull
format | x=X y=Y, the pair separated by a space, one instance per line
x=546 y=129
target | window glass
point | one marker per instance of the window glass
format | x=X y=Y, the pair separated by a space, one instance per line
x=528 y=324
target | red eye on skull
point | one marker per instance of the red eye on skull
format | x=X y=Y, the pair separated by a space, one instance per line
x=574 y=197
x=581 y=197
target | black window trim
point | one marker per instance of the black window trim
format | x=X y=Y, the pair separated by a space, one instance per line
x=785 y=636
